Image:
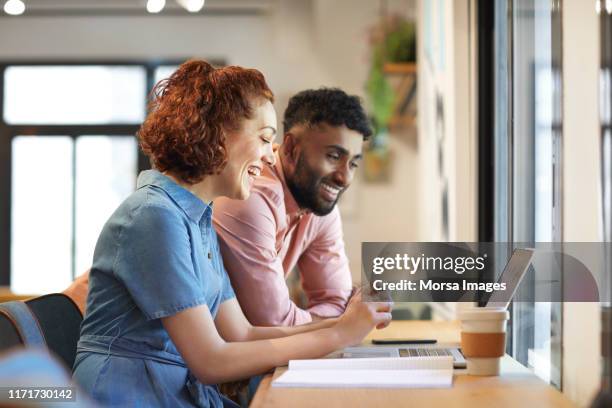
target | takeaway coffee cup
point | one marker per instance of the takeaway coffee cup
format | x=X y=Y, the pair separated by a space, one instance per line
x=483 y=338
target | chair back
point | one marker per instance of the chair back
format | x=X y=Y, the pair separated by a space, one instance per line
x=51 y=321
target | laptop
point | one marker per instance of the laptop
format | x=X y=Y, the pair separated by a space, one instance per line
x=512 y=275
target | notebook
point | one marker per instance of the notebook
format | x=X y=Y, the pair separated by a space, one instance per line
x=415 y=372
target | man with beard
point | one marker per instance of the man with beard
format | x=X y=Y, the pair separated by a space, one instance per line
x=291 y=218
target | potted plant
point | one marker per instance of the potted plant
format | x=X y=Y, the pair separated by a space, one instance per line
x=393 y=41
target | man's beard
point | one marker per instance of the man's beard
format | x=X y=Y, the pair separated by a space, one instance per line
x=305 y=186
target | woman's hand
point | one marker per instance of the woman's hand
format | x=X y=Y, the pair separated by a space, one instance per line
x=361 y=317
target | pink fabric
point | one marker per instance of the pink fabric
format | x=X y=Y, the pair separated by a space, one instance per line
x=77 y=291
x=263 y=238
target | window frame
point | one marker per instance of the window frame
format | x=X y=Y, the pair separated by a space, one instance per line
x=9 y=131
x=605 y=107
x=496 y=217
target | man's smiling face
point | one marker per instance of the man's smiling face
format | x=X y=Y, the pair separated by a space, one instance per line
x=323 y=163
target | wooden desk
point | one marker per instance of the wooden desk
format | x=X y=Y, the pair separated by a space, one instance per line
x=516 y=387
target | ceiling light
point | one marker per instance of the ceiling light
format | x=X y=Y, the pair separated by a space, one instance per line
x=14 y=7
x=192 y=6
x=155 y=6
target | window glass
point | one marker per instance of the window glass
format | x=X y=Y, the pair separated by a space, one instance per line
x=41 y=214
x=502 y=193
x=74 y=94
x=528 y=130
x=105 y=176
x=69 y=184
x=163 y=72
x=535 y=128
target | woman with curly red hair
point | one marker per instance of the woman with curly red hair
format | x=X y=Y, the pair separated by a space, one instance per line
x=162 y=324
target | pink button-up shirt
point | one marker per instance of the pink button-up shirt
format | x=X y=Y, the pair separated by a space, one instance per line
x=263 y=238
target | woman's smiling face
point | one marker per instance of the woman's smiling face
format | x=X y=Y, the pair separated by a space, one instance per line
x=248 y=150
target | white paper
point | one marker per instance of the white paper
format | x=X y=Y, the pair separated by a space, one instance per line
x=379 y=363
x=401 y=372
x=365 y=379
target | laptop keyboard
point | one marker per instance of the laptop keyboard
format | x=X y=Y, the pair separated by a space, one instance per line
x=423 y=352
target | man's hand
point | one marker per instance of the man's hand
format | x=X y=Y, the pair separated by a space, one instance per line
x=379 y=297
x=360 y=317
x=354 y=292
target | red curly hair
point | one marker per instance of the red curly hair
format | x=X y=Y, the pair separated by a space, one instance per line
x=190 y=112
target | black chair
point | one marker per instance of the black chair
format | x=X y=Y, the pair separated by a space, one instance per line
x=50 y=321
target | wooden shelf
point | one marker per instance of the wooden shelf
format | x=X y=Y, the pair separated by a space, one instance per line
x=400 y=122
x=400 y=68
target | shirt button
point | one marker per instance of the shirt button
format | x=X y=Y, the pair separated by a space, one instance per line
x=209 y=255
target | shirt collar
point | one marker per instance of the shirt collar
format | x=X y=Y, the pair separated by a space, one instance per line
x=291 y=206
x=192 y=205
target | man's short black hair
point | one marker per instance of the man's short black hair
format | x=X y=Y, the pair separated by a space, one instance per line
x=327 y=105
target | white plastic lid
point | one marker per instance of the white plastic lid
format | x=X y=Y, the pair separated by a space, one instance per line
x=484 y=313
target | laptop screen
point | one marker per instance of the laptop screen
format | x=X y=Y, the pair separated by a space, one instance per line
x=512 y=275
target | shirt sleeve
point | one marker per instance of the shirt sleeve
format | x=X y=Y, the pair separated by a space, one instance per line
x=326 y=276
x=154 y=262
x=247 y=236
x=227 y=291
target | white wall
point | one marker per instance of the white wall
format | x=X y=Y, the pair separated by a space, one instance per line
x=581 y=189
x=444 y=72
x=449 y=157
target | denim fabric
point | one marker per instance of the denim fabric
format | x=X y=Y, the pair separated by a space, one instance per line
x=30 y=368
x=157 y=255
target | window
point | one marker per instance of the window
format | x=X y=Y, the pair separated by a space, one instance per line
x=70 y=157
x=74 y=94
x=522 y=64
x=605 y=107
x=40 y=198
x=163 y=72
x=105 y=175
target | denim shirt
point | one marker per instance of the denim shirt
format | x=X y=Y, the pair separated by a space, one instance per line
x=156 y=256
